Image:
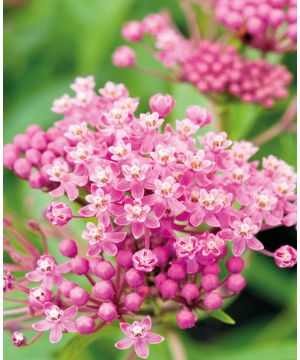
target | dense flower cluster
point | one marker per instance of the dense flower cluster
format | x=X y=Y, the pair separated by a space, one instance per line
x=266 y=24
x=171 y=212
x=211 y=66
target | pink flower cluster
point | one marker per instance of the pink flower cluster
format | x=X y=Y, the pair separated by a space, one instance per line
x=164 y=209
x=211 y=66
x=268 y=25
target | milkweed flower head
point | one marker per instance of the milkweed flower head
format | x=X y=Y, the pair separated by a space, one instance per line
x=214 y=66
x=162 y=215
x=268 y=25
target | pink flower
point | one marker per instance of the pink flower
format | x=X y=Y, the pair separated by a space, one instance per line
x=242 y=233
x=285 y=256
x=144 y=260
x=162 y=104
x=137 y=176
x=62 y=105
x=165 y=197
x=101 y=205
x=198 y=115
x=82 y=84
x=48 y=272
x=99 y=240
x=138 y=335
x=57 y=320
x=212 y=245
x=59 y=173
x=120 y=151
x=124 y=56
x=197 y=168
x=58 y=214
x=205 y=207
x=187 y=247
x=113 y=92
x=136 y=213
x=133 y=31
x=77 y=132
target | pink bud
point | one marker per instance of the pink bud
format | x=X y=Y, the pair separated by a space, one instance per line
x=36 y=180
x=48 y=157
x=198 y=115
x=9 y=158
x=68 y=248
x=32 y=129
x=168 y=288
x=254 y=26
x=39 y=141
x=212 y=301
x=22 y=142
x=38 y=297
x=162 y=104
x=124 y=56
x=34 y=156
x=134 y=278
x=186 y=319
x=58 y=214
x=84 y=324
x=176 y=272
x=107 y=312
x=22 y=168
x=285 y=256
x=103 y=290
x=133 y=31
x=53 y=133
x=80 y=265
x=79 y=296
x=235 y=264
x=212 y=269
x=162 y=255
x=236 y=283
x=124 y=258
x=66 y=286
x=190 y=292
x=105 y=270
x=133 y=301
x=158 y=279
x=209 y=282
x=18 y=339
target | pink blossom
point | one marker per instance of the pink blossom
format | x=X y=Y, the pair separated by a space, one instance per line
x=100 y=240
x=58 y=213
x=138 y=335
x=133 y=31
x=56 y=321
x=285 y=256
x=47 y=271
x=136 y=213
x=77 y=132
x=101 y=205
x=242 y=233
x=144 y=260
x=68 y=182
x=124 y=56
x=162 y=104
x=165 y=197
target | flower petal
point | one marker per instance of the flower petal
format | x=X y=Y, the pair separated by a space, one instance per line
x=110 y=248
x=147 y=323
x=152 y=338
x=115 y=237
x=70 y=312
x=69 y=325
x=34 y=276
x=42 y=325
x=239 y=247
x=55 y=334
x=137 y=229
x=141 y=348
x=124 y=343
x=254 y=244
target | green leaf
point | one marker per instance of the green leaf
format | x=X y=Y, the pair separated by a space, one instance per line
x=221 y=316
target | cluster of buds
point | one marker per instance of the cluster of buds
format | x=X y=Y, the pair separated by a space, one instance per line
x=270 y=25
x=211 y=66
x=164 y=216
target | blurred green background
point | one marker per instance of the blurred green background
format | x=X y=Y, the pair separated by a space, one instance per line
x=46 y=45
